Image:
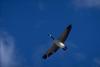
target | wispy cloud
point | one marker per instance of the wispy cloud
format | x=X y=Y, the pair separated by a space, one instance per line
x=80 y=56
x=86 y=3
x=41 y=6
x=7 y=50
x=97 y=61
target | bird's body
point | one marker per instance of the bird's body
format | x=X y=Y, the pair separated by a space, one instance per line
x=58 y=43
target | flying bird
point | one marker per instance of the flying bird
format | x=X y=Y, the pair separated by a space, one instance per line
x=58 y=43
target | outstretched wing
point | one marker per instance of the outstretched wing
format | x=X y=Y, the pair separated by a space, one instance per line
x=65 y=34
x=50 y=51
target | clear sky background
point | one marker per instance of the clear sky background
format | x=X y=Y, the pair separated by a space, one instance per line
x=24 y=28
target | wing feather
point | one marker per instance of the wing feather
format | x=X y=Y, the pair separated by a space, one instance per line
x=65 y=34
x=51 y=51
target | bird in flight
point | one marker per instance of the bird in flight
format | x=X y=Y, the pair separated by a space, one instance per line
x=58 y=43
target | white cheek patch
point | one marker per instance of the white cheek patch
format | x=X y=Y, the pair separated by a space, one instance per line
x=60 y=44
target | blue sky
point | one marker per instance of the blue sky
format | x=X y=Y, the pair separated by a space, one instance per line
x=25 y=24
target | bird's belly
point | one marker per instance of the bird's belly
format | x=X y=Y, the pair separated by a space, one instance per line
x=60 y=44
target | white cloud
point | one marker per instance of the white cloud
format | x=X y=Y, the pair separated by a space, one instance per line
x=86 y=3
x=80 y=56
x=7 y=50
x=97 y=61
x=41 y=6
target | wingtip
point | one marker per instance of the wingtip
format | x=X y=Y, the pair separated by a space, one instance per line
x=44 y=57
x=69 y=26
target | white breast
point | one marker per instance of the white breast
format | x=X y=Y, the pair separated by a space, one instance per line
x=60 y=44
